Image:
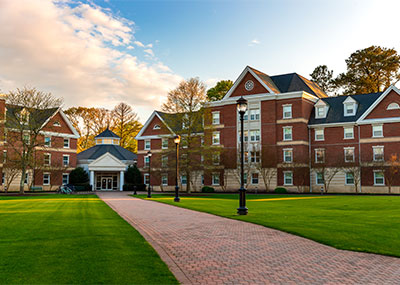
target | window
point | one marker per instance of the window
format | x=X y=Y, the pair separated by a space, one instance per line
x=319 y=135
x=164 y=143
x=287 y=133
x=287 y=111
x=320 y=155
x=319 y=178
x=254 y=114
x=47 y=159
x=349 y=133
x=26 y=180
x=393 y=106
x=255 y=156
x=183 y=179
x=349 y=178
x=146 y=179
x=47 y=141
x=164 y=161
x=379 y=178
x=65 y=178
x=377 y=131
x=246 y=116
x=349 y=109
x=255 y=136
x=116 y=141
x=246 y=136
x=378 y=153
x=164 y=180
x=147 y=161
x=254 y=178
x=3 y=177
x=99 y=141
x=65 y=160
x=215 y=179
x=215 y=138
x=66 y=143
x=246 y=157
x=216 y=158
x=156 y=127
x=4 y=156
x=215 y=118
x=57 y=124
x=147 y=144
x=202 y=179
x=349 y=154
x=245 y=178
x=320 y=112
x=46 y=179
x=288 y=155
x=288 y=178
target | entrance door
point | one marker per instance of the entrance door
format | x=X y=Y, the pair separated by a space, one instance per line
x=109 y=184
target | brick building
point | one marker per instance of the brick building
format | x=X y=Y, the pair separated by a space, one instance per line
x=54 y=152
x=295 y=136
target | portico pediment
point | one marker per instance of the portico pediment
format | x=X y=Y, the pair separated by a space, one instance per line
x=107 y=162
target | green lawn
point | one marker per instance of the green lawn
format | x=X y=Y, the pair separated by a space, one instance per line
x=360 y=223
x=57 y=239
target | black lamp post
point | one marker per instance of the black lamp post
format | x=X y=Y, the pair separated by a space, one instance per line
x=177 y=140
x=149 y=188
x=241 y=104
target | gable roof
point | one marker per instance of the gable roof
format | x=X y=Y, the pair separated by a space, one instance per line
x=336 y=112
x=36 y=116
x=175 y=121
x=292 y=82
x=266 y=79
x=101 y=149
x=107 y=134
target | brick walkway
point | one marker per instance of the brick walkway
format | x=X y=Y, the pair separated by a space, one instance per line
x=204 y=249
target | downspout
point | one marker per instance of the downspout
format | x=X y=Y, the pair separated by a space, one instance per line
x=309 y=156
x=359 y=155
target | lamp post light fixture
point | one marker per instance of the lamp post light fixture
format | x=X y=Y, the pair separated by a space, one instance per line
x=177 y=140
x=149 y=154
x=241 y=105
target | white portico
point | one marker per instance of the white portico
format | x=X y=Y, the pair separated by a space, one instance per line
x=106 y=162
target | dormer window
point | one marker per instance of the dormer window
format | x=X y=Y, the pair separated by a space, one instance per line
x=57 y=124
x=320 y=112
x=350 y=107
x=156 y=127
x=393 y=106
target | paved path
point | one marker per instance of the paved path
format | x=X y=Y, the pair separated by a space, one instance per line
x=204 y=249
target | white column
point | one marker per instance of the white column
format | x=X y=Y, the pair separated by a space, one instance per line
x=92 y=179
x=121 y=180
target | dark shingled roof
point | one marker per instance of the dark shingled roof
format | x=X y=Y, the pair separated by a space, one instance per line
x=98 y=150
x=266 y=79
x=292 y=82
x=107 y=134
x=174 y=121
x=336 y=110
x=37 y=117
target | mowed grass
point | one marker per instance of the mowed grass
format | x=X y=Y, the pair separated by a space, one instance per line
x=359 y=223
x=58 y=239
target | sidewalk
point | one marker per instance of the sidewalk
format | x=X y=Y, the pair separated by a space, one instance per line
x=200 y=248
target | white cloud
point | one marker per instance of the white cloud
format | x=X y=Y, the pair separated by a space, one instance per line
x=73 y=52
x=211 y=82
x=149 y=51
x=254 y=42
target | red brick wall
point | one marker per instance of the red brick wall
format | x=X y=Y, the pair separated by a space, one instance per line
x=62 y=129
x=149 y=130
x=380 y=110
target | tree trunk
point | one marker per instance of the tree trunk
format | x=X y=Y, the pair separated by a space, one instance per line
x=22 y=180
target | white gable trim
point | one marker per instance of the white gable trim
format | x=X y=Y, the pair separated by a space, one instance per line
x=240 y=78
x=119 y=167
x=372 y=107
x=146 y=125
x=69 y=124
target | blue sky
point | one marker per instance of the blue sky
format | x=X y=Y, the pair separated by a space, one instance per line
x=97 y=53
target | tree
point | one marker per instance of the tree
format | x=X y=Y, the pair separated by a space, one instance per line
x=133 y=175
x=392 y=171
x=355 y=170
x=126 y=126
x=219 y=90
x=370 y=70
x=24 y=123
x=78 y=176
x=324 y=78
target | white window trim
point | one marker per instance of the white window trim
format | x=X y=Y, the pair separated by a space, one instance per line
x=283 y=111
x=291 y=155
x=219 y=138
x=373 y=135
x=49 y=145
x=251 y=177
x=257 y=112
x=323 y=134
x=219 y=117
x=67 y=174
x=65 y=155
x=212 y=179
x=345 y=179
x=316 y=179
x=69 y=143
x=284 y=180
x=376 y=171
x=164 y=184
x=353 y=113
x=373 y=152
x=315 y=151
x=144 y=147
x=344 y=151
x=291 y=133
x=156 y=127
x=393 y=106
x=344 y=133
x=162 y=143
x=49 y=154
x=47 y=173
x=317 y=116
